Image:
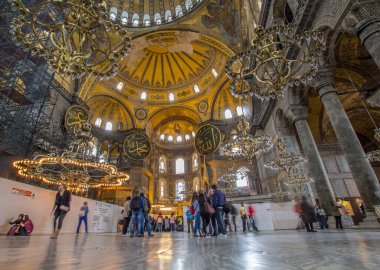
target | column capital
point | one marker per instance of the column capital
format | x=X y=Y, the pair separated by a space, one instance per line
x=297 y=113
x=323 y=81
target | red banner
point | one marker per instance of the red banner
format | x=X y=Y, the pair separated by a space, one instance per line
x=27 y=193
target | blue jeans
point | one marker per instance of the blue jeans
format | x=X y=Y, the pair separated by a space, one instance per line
x=80 y=223
x=172 y=227
x=159 y=227
x=197 y=223
x=244 y=221
x=218 y=221
x=147 y=223
x=137 y=215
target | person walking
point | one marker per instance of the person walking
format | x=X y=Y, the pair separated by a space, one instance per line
x=308 y=214
x=60 y=209
x=243 y=215
x=145 y=213
x=337 y=213
x=197 y=214
x=127 y=214
x=234 y=213
x=322 y=217
x=159 y=221
x=83 y=213
x=136 y=207
x=218 y=202
x=190 y=218
x=251 y=214
x=205 y=216
x=227 y=212
x=172 y=223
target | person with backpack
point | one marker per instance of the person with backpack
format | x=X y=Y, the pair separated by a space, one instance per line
x=189 y=214
x=146 y=206
x=197 y=214
x=136 y=207
x=83 y=213
x=159 y=221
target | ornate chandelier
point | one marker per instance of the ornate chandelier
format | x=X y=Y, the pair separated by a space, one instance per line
x=285 y=161
x=271 y=62
x=374 y=156
x=75 y=37
x=279 y=193
x=229 y=178
x=298 y=181
x=243 y=145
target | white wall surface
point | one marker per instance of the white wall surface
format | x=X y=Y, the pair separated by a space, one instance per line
x=39 y=209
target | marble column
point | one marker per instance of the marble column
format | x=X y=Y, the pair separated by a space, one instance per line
x=369 y=33
x=317 y=169
x=361 y=169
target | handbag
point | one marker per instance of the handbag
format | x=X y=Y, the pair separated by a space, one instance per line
x=64 y=208
x=209 y=208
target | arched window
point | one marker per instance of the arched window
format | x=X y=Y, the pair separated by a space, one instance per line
x=196 y=89
x=143 y=96
x=162 y=137
x=227 y=114
x=187 y=137
x=119 y=86
x=179 y=166
x=196 y=186
x=170 y=138
x=178 y=11
x=135 y=19
x=239 y=110
x=168 y=16
x=109 y=126
x=162 y=188
x=157 y=18
x=124 y=18
x=179 y=138
x=180 y=190
x=113 y=13
x=98 y=122
x=188 y=4
x=214 y=72
x=195 y=162
x=193 y=133
x=119 y=126
x=146 y=20
x=242 y=177
x=162 y=164
x=171 y=97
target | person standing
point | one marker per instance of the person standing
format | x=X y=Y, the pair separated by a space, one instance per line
x=227 y=212
x=136 y=207
x=197 y=214
x=308 y=214
x=60 y=209
x=218 y=202
x=172 y=223
x=166 y=224
x=251 y=214
x=234 y=213
x=190 y=217
x=127 y=214
x=159 y=221
x=83 y=213
x=322 y=218
x=336 y=212
x=205 y=216
x=243 y=215
x=145 y=213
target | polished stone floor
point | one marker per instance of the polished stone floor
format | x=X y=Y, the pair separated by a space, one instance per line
x=267 y=250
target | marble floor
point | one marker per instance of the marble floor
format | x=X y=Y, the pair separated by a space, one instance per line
x=266 y=250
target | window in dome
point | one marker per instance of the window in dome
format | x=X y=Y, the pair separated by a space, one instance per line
x=178 y=11
x=120 y=86
x=187 y=137
x=119 y=126
x=157 y=18
x=239 y=110
x=98 y=122
x=168 y=16
x=179 y=138
x=179 y=166
x=135 y=19
x=113 y=13
x=214 y=72
x=170 y=138
x=162 y=137
x=143 y=95
x=196 y=89
x=227 y=114
x=189 y=4
x=124 y=18
x=146 y=20
x=171 y=97
x=109 y=126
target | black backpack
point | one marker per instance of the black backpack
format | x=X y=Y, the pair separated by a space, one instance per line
x=136 y=203
x=146 y=208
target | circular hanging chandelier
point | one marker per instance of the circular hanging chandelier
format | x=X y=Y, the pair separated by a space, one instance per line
x=230 y=177
x=374 y=156
x=268 y=66
x=243 y=145
x=285 y=161
x=298 y=181
x=75 y=37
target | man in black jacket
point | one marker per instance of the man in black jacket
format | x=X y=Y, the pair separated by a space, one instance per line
x=218 y=201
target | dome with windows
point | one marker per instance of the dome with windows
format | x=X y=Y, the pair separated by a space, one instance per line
x=147 y=13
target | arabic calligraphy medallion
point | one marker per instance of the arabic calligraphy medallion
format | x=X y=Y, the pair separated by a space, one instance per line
x=137 y=146
x=207 y=140
x=74 y=118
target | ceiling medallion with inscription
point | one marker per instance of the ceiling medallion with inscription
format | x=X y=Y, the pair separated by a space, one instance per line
x=137 y=146
x=207 y=139
x=141 y=114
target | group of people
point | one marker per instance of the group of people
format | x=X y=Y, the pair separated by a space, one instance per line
x=22 y=226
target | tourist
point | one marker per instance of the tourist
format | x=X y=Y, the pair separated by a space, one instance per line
x=60 y=209
x=197 y=214
x=83 y=213
x=205 y=216
x=234 y=213
x=120 y=222
x=14 y=229
x=251 y=214
x=308 y=214
x=159 y=222
x=172 y=223
x=218 y=201
x=166 y=224
x=337 y=213
x=190 y=217
x=322 y=217
x=26 y=226
x=243 y=215
x=136 y=207
x=145 y=213
x=227 y=212
x=127 y=214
